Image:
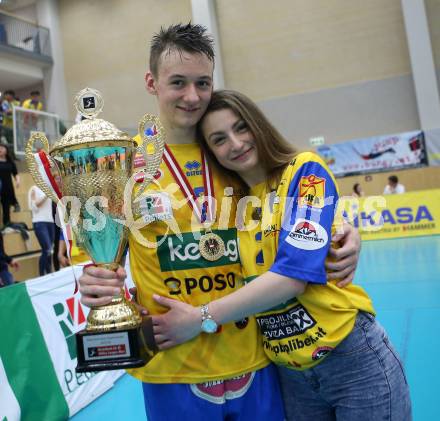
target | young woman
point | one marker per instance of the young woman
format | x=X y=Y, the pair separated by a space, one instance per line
x=335 y=361
x=357 y=190
x=44 y=226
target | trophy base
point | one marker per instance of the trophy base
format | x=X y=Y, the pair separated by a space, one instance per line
x=115 y=350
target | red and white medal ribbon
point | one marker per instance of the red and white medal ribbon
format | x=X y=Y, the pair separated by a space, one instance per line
x=207 y=207
x=44 y=170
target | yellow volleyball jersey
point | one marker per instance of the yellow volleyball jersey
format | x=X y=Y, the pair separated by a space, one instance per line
x=27 y=103
x=293 y=239
x=165 y=259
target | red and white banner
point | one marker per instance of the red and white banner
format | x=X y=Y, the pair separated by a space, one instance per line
x=375 y=154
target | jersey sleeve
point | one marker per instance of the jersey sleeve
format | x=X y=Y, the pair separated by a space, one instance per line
x=305 y=232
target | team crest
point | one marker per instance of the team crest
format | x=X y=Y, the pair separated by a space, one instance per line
x=312 y=191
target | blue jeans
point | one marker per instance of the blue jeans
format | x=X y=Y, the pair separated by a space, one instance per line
x=362 y=379
x=45 y=232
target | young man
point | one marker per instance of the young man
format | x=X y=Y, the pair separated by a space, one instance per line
x=218 y=375
x=33 y=103
x=393 y=186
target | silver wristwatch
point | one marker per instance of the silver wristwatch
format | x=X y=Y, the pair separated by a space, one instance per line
x=209 y=325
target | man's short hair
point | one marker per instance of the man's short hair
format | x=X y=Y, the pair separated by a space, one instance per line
x=35 y=93
x=393 y=179
x=9 y=92
x=189 y=38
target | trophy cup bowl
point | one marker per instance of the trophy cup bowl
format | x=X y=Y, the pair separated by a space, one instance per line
x=94 y=161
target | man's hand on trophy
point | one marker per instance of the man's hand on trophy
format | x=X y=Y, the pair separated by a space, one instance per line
x=142 y=310
x=98 y=286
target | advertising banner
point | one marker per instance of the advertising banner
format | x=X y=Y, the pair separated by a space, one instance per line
x=375 y=154
x=38 y=380
x=393 y=216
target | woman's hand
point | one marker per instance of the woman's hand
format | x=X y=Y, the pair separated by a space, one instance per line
x=346 y=257
x=180 y=324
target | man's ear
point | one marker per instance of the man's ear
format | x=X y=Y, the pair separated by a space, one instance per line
x=150 y=83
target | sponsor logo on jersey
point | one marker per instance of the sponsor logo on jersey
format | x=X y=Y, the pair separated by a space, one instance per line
x=204 y=283
x=218 y=391
x=193 y=168
x=271 y=230
x=312 y=191
x=307 y=235
x=293 y=322
x=292 y=345
x=176 y=254
x=156 y=207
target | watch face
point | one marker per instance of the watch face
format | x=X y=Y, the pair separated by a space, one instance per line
x=209 y=326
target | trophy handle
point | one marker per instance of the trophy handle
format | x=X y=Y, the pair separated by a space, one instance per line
x=151 y=148
x=34 y=167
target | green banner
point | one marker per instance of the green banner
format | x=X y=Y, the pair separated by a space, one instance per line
x=26 y=360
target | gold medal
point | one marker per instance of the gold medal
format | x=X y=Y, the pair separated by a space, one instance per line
x=211 y=246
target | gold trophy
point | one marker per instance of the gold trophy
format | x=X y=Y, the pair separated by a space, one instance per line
x=93 y=162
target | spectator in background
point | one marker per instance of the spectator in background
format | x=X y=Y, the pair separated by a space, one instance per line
x=56 y=239
x=77 y=254
x=33 y=103
x=6 y=277
x=393 y=186
x=357 y=190
x=7 y=105
x=8 y=170
x=44 y=226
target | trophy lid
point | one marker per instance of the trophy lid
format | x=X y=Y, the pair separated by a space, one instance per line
x=89 y=104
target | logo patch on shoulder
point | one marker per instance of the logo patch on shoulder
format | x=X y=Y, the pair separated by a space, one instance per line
x=312 y=191
x=307 y=235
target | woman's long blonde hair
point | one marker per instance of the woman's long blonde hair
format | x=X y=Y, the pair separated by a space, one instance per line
x=274 y=152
